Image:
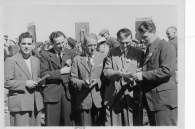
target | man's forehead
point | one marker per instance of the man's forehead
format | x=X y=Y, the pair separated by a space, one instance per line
x=26 y=40
x=59 y=39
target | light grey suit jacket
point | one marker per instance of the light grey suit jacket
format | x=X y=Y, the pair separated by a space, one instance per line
x=20 y=98
x=80 y=71
x=124 y=91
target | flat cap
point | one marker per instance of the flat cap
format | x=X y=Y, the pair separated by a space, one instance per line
x=72 y=41
x=103 y=31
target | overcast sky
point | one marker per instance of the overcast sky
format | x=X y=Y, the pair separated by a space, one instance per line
x=49 y=18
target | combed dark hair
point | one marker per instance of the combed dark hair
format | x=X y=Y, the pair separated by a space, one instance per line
x=25 y=35
x=147 y=26
x=56 y=34
x=124 y=31
x=90 y=36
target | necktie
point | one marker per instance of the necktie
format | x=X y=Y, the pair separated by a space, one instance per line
x=146 y=54
x=89 y=63
x=59 y=55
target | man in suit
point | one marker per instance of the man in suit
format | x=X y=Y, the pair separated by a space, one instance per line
x=86 y=78
x=57 y=93
x=123 y=95
x=158 y=76
x=21 y=75
x=172 y=36
x=110 y=40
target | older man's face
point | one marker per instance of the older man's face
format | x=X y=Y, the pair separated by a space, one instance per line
x=171 y=34
x=90 y=46
x=124 y=42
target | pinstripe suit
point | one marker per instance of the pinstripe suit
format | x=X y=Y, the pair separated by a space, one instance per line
x=57 y=93
x=22 y=102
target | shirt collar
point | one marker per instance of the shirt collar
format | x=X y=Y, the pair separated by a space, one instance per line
x=124 y=51
x=87 y=55
x=58 y=52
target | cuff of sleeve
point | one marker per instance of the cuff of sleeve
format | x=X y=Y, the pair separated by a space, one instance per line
x=55 y=74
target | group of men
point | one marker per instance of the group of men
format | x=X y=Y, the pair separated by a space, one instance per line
x=95 y=88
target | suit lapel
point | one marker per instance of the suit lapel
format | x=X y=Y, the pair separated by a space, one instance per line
x=84 y=63
x=117 y=58
x=33 y=68
x=22 y=64
x=54 y=58
x=152 y=50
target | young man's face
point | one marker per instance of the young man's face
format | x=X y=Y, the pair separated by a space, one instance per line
x=124 y=42
x=146 y=37
x=26 y=46
x=58 y=43
x=90 y=46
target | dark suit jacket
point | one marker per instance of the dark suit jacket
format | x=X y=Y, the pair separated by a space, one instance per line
x=158 y=76
x=56 y=83
x=134 y=60
x=20 y=98
x=80 y=71
x=174 y=42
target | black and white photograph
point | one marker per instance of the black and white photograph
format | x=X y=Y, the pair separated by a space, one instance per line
x=85 y=64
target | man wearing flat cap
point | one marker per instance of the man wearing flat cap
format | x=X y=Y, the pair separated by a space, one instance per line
x=110 y=40
x=71 y=43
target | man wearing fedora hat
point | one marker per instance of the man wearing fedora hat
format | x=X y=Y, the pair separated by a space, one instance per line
x=110 y=40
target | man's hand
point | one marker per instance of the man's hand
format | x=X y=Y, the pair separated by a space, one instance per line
x=31 y=84
x=138 y=76
x=65 y=70
x=93 y=83
x=119 y=73
x=86 y=82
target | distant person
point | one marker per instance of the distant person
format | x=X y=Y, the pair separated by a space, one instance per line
x=86 y=79
x=71 y=43
x=123 y=95
x=21 y=75
x=14 y=48
x=157 y=75
x=78 y=47
x=110 y=40
x=103 y=46
x=56 y=62
x=172 y=36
